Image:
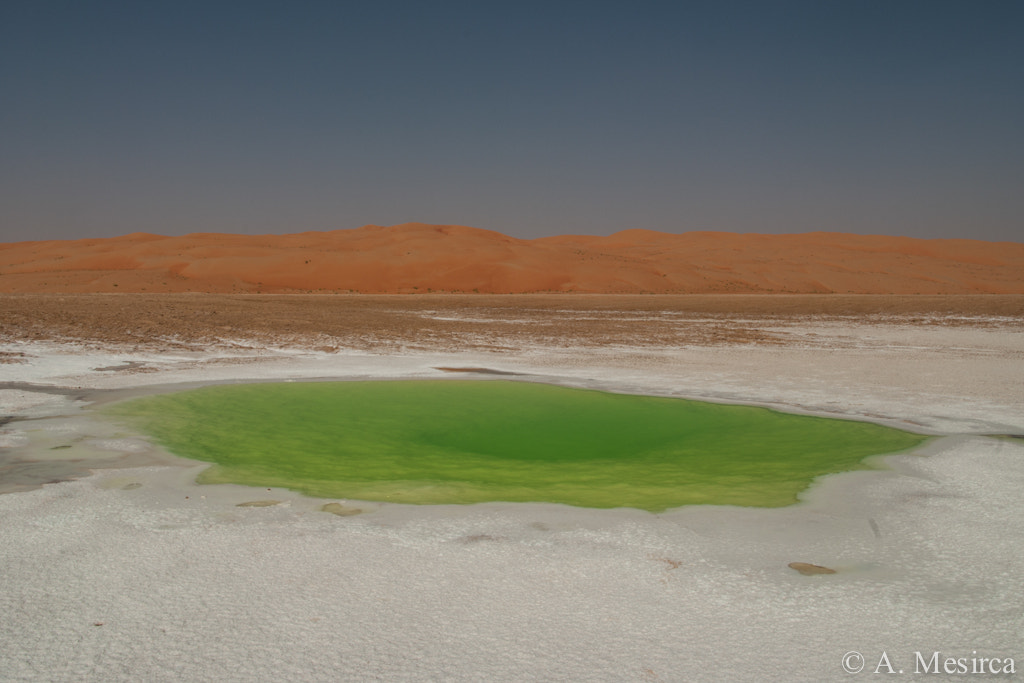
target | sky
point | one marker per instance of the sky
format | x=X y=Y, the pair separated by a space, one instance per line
x=892 y=117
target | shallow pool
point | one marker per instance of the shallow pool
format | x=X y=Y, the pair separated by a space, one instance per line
x=431 y=442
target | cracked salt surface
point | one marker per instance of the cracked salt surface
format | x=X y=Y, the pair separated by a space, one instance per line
x=139 y=574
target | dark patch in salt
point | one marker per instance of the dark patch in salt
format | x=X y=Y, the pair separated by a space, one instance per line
x=126 y=365
x=808 y=569
x=874 y=528
x=42 y=388
x=340 y=510
x=480 y=371
x=478 y=538
x=25 y=474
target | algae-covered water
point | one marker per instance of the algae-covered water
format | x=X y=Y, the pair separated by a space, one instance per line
x=475 y=441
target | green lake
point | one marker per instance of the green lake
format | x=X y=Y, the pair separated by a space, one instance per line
x=446 y=441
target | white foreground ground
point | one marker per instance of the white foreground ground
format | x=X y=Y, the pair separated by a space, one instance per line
x=139 y=575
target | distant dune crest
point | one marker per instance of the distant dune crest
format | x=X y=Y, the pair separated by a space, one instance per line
x=418 y=258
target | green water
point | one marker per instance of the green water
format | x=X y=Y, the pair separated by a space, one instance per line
x=475 y=441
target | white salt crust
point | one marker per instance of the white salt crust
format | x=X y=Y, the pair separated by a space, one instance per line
x=139 y=574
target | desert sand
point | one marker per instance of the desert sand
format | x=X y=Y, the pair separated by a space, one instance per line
x=418 y=258
x=133 y=572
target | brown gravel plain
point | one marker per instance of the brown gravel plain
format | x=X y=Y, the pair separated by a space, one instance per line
x=470 y=322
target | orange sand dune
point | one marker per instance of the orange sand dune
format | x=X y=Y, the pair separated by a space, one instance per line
x=421 y=258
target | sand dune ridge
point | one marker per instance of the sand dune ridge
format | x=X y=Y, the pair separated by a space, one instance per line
x=420 y=258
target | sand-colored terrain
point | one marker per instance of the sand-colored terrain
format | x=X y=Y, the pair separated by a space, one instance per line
x=418 y=258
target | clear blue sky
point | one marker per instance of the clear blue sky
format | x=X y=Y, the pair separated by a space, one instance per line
x=899 y=117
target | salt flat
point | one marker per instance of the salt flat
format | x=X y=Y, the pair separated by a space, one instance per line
x=136 y=573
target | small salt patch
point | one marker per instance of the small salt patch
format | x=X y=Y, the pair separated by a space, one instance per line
x=63 y=428
x=120 y=445
x=12 y=439
x=30 y=403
